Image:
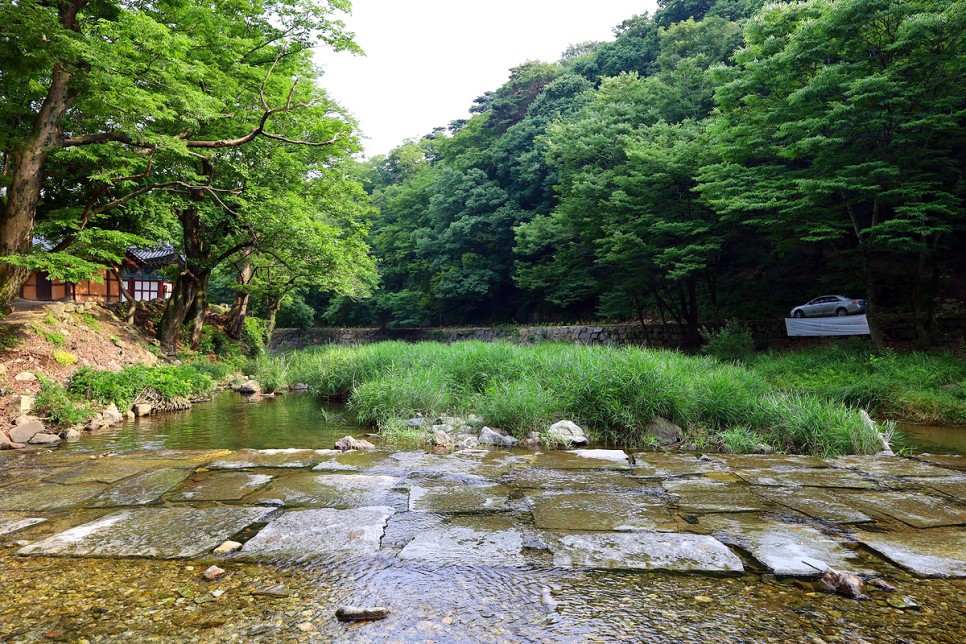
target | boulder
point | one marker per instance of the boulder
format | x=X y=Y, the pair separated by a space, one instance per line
x=25 y=376
x=26 y=404
x=44 y=439
x=467 y=442
x=249 y=387
x=347 y=443
x=70 y=434
x=664 y=432
x=532 y=441
x=112 y=415
x=489 y=436
x=466 y=430
x=567 y=432
x=6 y=443
x=24 y=432
x=442 y=438
x=142 y=409
x=419 y=421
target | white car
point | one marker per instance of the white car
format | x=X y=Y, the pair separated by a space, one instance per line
x=830 y=306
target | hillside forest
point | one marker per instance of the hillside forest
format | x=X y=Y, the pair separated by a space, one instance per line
x=715 y=160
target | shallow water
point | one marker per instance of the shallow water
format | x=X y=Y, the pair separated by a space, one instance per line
x=231 y=421
x=931 y=439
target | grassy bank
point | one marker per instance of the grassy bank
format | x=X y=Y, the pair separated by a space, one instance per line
x=914 y=387
x=613 y=392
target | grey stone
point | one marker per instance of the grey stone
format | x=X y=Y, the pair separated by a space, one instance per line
x=675 y=552
x=786 y=549
x=441 y=438
x=827 y=477
x=142 y=409
x=249 y=387
x=347 y=443
x=71 y=434
x=816 y=503
x=112 y=415
x=580 y=459
x=103 y=470
x=476 y=541
x=226 y=547
x=316 y=534
x=657 y=465
x=467 y=442
x=568 y=433
x=533 y=478
x=10 y=523
x=142 y=489
x=44 y=439
x=706 y=495
x=25 y=376
x=274 y=458
x=44 y=497
x=664 y=432
x=413 y=423
x=340 y=491
x=940 y=552
x=157 y=533
x=492 y=437
x=23 y=433
x=917 y=510
x=585 y=511
x=891 y=466
x=26 y=404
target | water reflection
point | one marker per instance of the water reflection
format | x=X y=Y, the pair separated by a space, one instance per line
x=231 y=421
x=931 y=439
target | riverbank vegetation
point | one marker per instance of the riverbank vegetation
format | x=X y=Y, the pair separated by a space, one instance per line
x=612 y=392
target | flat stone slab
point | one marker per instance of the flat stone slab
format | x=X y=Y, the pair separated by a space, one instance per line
x=817 y=503
x=676 y=552
x=532 y=478
x=586 y=511
x=174 y=457
x=954 y=461
x=273 y=458
x=878 y=466
x=784 y=548
x=459 y=499
x=319 y=534
x=770 y=461
x=340 y=491
x=464 y=541
x=933 y=553
x=807 y=478
x=104 y=470
x=665 y=466
x=583 y=459
x=50 y=496
x=954 y=487
x=156 y=533
x=142 y=489
x=10 y=523
x=338 y=461
x=706 y=494
x=228 y=486
x=465 y=463
x=912 y=508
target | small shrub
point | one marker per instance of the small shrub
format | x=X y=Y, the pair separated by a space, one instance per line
x=122 y=387
x=65 y=358
x=58 y=407
x=730 y=343
x=53 y=337
x=89 y=320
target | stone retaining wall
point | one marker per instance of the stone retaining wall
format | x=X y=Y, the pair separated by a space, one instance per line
x=765 y=332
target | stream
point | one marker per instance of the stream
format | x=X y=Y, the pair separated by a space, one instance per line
x=105 y=539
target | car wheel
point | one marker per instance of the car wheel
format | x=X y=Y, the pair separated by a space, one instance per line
x=799 y=314
x=841 y=312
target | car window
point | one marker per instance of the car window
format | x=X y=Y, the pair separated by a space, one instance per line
x=817 y=300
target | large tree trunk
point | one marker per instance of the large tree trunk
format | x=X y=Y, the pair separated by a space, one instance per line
x=191 y=281
x=199 y=308
x=239 y=306
x=274 y=304
x=872 y=313
x=132 y=304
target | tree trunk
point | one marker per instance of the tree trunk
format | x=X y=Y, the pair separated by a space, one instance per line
x=132 y=305
x=239 y=306
x=193 y=277
x=199 y=309
x=872 y=313
x=274 y=304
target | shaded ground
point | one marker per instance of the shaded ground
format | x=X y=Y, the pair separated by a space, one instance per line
x=478 y=546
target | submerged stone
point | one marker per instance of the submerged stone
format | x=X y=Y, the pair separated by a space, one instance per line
x=277 y=458
x=459 y=499
x=583 y=459
x=581 y=511
x=917 y=510
x=10 y=523
x=533 y=478
x=231 y=486
x=104 y=470
x=806 y=478
x=314 y=490
x=954 y=487
x=707 y=494
x=466 y=463
x=816 y=503
x=940 y=552
x=44 y=497
x=891 y=466
x=477 y=541
x=315 y=534
x=676 y=552
x=954 y=461
x=157 y=533
x=770 y=461
x=357 y=461
x=784 y=548
x=142 y=489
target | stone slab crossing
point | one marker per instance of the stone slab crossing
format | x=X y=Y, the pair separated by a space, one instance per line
x=607 y=509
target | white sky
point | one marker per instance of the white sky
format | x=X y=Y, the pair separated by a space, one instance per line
x=426 y=60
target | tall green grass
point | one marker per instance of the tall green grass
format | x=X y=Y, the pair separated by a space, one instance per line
x=612 y=392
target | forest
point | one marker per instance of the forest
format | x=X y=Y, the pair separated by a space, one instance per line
x=715 y=160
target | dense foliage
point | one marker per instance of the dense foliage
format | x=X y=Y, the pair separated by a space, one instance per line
x=719 y=159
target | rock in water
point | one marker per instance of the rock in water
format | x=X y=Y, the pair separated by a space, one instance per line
x=213 y=573
x=494 y=437
x=23 y=433
x=347 y=443
x=664 y=432
x=249 y=387
x=567 y=432
x=225 y=548
x=357 y=613
x=844 y=583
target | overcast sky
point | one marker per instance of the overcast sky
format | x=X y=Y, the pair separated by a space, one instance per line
x=426 y=60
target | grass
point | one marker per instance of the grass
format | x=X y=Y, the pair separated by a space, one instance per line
x=612 y=392
x=916 y=387
x=122 y=387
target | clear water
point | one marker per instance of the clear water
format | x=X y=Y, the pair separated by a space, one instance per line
x=931 y=439
x=231 y=421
